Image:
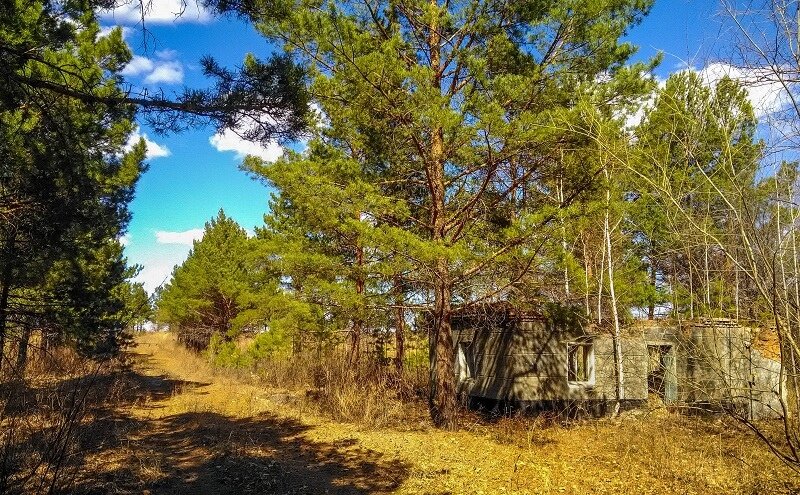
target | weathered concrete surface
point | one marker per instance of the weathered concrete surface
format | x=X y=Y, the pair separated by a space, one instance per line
x=524 y=358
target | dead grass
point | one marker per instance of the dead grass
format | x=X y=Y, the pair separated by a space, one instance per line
x=651 y=453
x=175 y=425
x=323 y=381
x=49 y=417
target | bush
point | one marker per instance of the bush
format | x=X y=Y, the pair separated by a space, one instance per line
x=371 y=391
x=45 y=419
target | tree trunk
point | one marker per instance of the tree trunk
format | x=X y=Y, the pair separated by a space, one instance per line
x=620 y=382
x=442 y=395
x=600 y=282
x=560 y=194
x=707 y=281
x=442 y=400
x=358 y=320
x=399 y=327
x=4 y=295
x=586 y=275
x=736 y=295
x=651 y=309
x=22 y=351
x=691 y=284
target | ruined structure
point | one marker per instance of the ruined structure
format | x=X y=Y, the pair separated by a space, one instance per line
x=557 y=362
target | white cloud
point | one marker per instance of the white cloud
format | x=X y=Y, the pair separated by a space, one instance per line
x=154 y=150
x=169 y=72
x=766 y=95
x=632 y=120
x=158 y=260
x=125 y=239
x=163 y=69
x=137 y=66
x=158 y=12
x=153 y=274
x=185 y=238
x=157 y=266
x=166 y=54
x=230 y=141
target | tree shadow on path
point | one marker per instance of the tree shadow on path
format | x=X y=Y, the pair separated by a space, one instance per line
x=210 y=453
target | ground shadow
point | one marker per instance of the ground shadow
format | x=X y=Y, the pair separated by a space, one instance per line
x=111 y=449
x=195 y=453
x=206 y=452
x=99 y=388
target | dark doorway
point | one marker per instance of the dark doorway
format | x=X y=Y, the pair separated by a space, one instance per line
x=661 y=372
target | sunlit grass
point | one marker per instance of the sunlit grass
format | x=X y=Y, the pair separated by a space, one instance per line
x=654 y=453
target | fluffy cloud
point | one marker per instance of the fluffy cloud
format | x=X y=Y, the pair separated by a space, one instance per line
x=125 y=239
x=159 y=259
x=158 y=12
x=185 y=238
x=230 y=141
x=154 y=150
x=166 y=54
x=155 y=273
x=157 y=265
x=634 y=119
x=168 y=72
x=164 y=69
x=137 y=66
x=766 y=95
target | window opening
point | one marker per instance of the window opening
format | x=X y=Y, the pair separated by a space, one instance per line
x=465 y=365
x=580 y=357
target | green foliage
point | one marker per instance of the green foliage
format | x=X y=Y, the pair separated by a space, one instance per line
x=698 y=159
x=264 y=347
x=204 y=296
x=138 y=307
x=443 y=134
x=66 y=181
x=269 y=96
x=226 y=353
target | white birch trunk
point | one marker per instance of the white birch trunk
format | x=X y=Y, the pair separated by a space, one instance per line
x=620 y=384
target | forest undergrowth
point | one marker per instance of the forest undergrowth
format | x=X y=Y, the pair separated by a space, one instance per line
x=173 y=423
x=385 y=443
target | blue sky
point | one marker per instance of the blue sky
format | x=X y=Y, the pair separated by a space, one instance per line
x=195 y=173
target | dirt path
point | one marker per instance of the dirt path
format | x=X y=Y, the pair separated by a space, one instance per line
x=184 y=430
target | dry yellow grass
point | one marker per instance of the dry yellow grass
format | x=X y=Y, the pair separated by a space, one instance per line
x=203 y=432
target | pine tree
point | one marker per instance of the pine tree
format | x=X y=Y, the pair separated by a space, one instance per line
x=263 y=100
x=454 y=102
x=64 y=190
x=204 y=296
x=327 y=229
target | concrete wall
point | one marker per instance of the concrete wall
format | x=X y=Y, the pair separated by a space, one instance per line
x=525 y=359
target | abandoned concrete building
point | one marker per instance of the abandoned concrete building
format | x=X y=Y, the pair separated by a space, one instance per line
x=507 y=356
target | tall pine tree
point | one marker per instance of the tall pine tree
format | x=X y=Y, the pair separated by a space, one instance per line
x=454 y=102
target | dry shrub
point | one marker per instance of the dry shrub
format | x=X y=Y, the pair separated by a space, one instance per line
x=291 y=372
x=44 y=420
x=364 y=392
x=521 y=429
x=369 y=392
